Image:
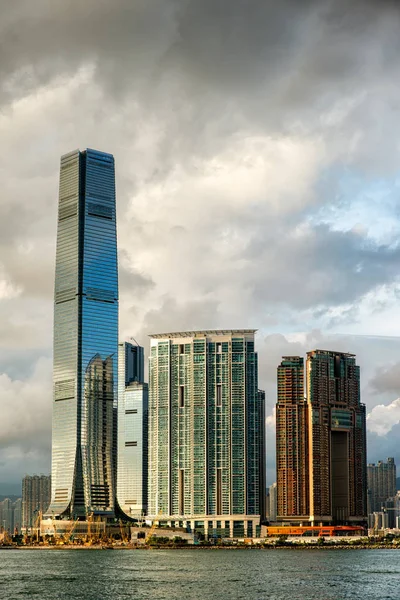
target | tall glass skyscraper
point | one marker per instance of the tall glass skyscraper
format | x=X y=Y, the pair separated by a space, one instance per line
x=206 y=432
x=85 y=338
x=132 y=431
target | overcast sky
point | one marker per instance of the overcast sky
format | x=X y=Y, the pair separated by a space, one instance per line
x=257 y=148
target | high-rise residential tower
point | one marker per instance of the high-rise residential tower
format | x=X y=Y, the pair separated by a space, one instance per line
x=205 y=432
x=36 y=490
x=273 y=502
x=17 y=509
x=85 y=338
x=6 y=516
x=381 y=483
x=337 y=438
x=321 y=443
x=132 y=431
x=291 y=441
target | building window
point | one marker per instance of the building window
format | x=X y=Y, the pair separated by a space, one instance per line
x=131 y=411
x=181 y=491
x=219 y=394
x=181 y=396
x=219 y=491
x=219 y=347
x=130 y=443
x=181 y=349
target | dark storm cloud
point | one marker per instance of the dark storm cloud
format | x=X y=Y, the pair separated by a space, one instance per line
x=42 y=40
x=269 y=59
x=26 y=412
x=326 y=267
x=381 y=446
x=168 y=86
x=206 y=72
x=131 y=282
x=387 y=380
x=190 y=316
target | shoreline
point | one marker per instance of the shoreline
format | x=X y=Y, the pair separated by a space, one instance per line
x=198 y=547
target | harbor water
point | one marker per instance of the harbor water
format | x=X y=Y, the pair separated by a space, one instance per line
x=282 y=574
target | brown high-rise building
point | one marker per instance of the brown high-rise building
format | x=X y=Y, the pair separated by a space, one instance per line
x=381 y=483
x=321 y=444
x=337 y=438
x=291 y=440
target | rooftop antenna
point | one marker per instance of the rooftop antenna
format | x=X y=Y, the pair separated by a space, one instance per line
x=132 y=338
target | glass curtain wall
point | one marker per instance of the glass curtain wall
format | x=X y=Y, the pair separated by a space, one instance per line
x=85 y=338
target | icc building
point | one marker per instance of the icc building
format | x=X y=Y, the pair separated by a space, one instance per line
x=85 y=339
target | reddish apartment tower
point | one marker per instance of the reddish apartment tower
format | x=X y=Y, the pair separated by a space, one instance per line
x=291 y=441
x=321 y=443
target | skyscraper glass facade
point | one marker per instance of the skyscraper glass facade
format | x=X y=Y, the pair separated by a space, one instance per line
x=132 y=431
x=85 y=337
x=205 y=431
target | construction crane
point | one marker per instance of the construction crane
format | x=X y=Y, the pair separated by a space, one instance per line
x=37 y=525
x=153 y=528
x=93 y=533
x=89 y=539
x=122 y=531
x=5 y=538
x=68 y=536
x=53 y=522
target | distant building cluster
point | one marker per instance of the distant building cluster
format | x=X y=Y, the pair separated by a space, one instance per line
x=187 y=448
x=10 y=515
x=36 y=491
x=383 y=498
